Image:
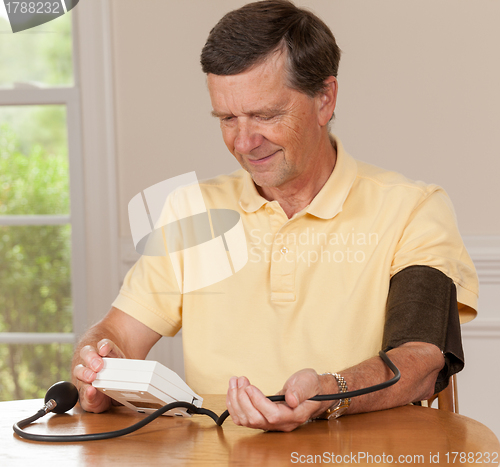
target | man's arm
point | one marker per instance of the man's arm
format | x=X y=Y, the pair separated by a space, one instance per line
x=418 y=362
x=117 y=335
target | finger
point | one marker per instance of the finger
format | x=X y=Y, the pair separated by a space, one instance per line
x=232 y=401
x=107 y=348
x=93 y=400
x=273 y=413
x=84 y=374
x=91 y=359
x=86 y=392
x=249 y=415
x=278 y=416
x=241 y=409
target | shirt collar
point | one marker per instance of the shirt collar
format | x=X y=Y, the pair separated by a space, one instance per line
x=250 y=199
x=330 y=199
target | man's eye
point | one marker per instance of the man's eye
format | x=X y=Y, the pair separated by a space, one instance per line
x=266 y=118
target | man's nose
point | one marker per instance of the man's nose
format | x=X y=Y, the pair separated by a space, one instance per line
x=248 y=136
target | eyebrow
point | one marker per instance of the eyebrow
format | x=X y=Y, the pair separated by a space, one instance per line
x=217 y=114
x=273 y=111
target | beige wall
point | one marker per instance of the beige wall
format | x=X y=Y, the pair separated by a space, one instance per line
x=419 y=94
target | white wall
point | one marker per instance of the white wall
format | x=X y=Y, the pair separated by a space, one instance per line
x=418 y=94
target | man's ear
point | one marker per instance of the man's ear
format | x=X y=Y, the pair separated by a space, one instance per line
x=327 y=100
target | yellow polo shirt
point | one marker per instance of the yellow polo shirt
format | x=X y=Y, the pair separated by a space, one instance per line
x=313 y=291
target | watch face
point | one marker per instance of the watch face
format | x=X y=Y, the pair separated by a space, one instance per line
x=334 y=406
x=339 y=410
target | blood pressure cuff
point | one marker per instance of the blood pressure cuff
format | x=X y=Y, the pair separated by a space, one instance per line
x=422 y=307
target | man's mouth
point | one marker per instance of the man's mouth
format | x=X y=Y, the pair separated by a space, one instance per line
x=262 y=160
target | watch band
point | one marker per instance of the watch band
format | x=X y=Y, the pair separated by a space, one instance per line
x=338 y=408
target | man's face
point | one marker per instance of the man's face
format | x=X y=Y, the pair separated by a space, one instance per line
x=273 y=131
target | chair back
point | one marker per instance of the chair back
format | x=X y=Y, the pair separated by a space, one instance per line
x=447 y=398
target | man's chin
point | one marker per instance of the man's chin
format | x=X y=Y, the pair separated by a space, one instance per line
x=265 y=180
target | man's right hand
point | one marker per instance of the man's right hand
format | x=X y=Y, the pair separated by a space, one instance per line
x=85 y=373
x=135 y=340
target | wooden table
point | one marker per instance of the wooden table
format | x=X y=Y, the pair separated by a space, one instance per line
x=421 y=435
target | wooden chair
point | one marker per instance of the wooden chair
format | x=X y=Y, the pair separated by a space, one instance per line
x=447 y=398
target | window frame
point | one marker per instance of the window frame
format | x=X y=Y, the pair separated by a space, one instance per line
x=92 y=173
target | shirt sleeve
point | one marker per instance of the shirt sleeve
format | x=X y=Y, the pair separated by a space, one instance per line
x=431 y=238
x=151 y=295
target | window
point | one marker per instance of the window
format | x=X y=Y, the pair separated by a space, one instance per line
x=42 y=272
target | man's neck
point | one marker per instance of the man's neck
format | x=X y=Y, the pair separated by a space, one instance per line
x=299 y=192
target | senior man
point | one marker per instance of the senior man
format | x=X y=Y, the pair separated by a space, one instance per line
x=386 y=267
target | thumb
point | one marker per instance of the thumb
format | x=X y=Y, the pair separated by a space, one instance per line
x=292 y=398
x=107 y=348
x=300 y=387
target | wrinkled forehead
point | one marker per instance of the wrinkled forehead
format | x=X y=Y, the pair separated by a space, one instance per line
x=262 y=86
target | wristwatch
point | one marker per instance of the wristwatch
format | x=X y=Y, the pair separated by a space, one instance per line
x=339 y=407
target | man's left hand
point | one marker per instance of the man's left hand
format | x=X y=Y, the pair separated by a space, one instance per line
x=249 y=407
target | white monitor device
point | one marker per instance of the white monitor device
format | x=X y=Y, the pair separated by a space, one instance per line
x=144 y=386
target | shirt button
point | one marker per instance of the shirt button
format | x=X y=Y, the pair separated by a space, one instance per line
x=270 y=210
x=284 y=250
